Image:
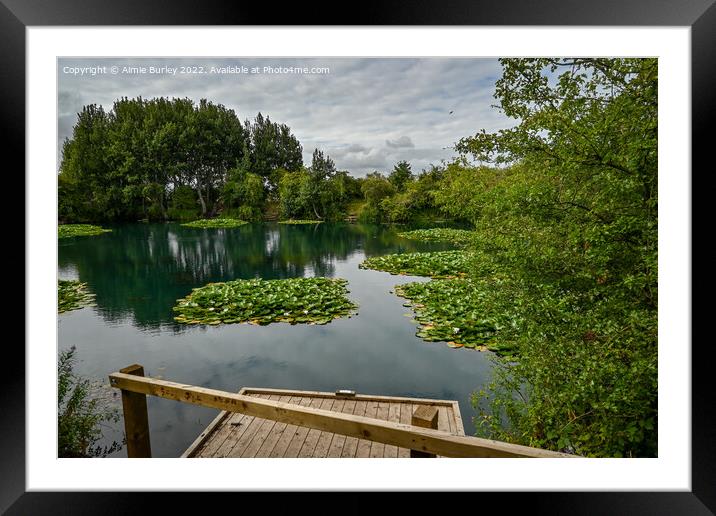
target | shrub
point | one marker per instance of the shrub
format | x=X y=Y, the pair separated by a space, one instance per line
x=79 y=414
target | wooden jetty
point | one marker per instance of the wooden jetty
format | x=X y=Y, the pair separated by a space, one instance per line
x=233 y=434
x=285 y=423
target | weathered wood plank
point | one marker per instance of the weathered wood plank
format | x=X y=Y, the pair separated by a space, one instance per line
x=309 y=445
x=460 y=429
x=288 y=433
x=136 y=418
x=364 y=445
x=276 y=432
x=427 y=440
x=378 y=449
x=294 y=447
x=357 y=397
x=252 y=447
x=245 y=437
x=351 y=445
x=425 y=417
x=324 y=440
x=394 y=416
x=406 y=412
x=338 y=440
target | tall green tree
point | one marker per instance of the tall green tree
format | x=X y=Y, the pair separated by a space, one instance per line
x=569 y=217
x=400 y=175
x=273 y=149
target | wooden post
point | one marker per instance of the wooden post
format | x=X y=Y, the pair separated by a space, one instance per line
x=136 y=418
x=425 y=416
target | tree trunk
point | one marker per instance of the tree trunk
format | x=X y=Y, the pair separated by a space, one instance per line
x=201 y=200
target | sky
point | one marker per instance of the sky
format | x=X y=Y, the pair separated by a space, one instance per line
x=365 y=113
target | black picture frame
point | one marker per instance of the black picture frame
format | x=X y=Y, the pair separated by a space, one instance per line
x=699 y=15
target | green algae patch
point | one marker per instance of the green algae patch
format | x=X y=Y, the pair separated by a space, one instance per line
x=73 y=230
x=215 y=223
x=72 y=295
x=437 y=264
x=291 y=221
x=458 y=237
x=459 y=312
x=259 y=301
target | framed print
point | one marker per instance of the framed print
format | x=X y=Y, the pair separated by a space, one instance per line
x=216 y=177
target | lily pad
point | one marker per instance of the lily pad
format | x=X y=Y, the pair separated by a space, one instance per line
x=259 y=301
x=456 y=311
x=438 y=264
x=73 y=230
x=72 y=295
x=215 y=223
x=292 y=221
x=459 y=237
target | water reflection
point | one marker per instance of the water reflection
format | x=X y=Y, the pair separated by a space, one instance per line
x=139 y=271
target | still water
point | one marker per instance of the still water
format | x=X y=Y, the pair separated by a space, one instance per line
x=138 y=271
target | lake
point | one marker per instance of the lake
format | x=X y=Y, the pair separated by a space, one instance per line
x=138 y=271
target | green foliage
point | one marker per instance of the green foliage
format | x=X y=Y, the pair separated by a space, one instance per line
x=243 y=193
x=458 y=237
x=293 y=221
x=375 y=188
x=273 y=150
x=73 y=230
x=258 y=301
x=80 y=414
x=319 y=192
x=72 y=295
x=131 y=162
x=460 y=312
x=569 y=218
x=400 y=175
x=215 y=223
x=438 y=264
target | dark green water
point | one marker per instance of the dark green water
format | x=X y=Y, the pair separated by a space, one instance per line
x=138 y=271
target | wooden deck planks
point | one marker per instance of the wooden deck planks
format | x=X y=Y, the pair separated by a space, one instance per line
x=351 y=444
x=338 y=441
x=237 y=435
x=377 y=449
x=294 y=447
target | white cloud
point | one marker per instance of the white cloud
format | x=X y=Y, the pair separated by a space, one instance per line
x=367 y=114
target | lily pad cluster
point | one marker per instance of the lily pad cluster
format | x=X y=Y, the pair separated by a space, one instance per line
x=437 y=264
x=72 y=295
x=291 y=221
x=457 y=311
x=215 y=223
x=459 y=237
x=259 y=301
x=73 y=230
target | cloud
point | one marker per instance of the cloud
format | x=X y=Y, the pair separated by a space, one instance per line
x=360 y=113
x=403 y=141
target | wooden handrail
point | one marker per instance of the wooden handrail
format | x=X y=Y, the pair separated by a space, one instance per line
x=405 y=436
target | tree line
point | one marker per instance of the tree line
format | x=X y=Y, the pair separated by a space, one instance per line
x=173 y=159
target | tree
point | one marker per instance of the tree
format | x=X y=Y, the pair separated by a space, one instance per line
x=273 y=148
x=569 y=217
x=400 y=175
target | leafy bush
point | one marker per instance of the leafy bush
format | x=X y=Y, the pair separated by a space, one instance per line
x=569 y=218
x=79 y=414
